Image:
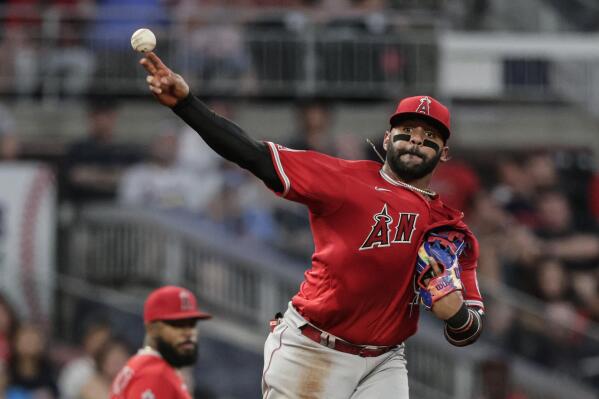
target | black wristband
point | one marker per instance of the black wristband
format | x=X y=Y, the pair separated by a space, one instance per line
x=459 y=319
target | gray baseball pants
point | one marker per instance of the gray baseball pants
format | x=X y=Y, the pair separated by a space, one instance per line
x=295 y=367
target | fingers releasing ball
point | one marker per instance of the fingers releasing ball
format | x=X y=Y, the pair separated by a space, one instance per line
x=143 y=40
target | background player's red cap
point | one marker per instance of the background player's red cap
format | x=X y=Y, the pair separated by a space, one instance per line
x=172 y=303
x=424 y=107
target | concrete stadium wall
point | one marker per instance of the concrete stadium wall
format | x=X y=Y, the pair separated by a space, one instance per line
x=480 y=126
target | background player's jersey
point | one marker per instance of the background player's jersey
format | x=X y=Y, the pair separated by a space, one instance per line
x=148 y=376
x=367 y=230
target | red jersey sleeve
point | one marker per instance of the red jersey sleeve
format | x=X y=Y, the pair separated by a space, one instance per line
x=151 y=387
x=468 y=263
x=310 y=178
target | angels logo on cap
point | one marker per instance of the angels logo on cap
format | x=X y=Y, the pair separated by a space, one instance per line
x=186 y=303
x=424 y=106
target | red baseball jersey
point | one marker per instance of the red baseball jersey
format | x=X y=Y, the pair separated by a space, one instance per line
x=148 y=376
x=367 y=229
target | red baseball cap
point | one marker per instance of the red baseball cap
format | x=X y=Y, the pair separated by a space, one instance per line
x=172 y=303
x=424 y=107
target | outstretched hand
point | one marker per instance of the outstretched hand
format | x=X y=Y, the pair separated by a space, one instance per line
x=449 y=305
x=167 y=86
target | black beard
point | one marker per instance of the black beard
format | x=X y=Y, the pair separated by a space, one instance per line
x=174 y=358
x=409 y=173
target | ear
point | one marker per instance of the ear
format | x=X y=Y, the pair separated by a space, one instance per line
x=152 y=329
x=386 y=140
x=445 y=154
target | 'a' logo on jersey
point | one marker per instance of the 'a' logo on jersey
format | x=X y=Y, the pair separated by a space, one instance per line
x=424 y=106
x=381 y=231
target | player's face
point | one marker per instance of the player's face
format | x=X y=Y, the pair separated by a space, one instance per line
x=414 y=148
x=177 y=341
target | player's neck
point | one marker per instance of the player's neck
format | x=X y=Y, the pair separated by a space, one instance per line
x=421 y=183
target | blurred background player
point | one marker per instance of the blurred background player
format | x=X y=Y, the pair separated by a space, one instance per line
x=170 y=317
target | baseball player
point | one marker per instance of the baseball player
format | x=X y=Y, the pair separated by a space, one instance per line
x=343 y=333
x=170 y=317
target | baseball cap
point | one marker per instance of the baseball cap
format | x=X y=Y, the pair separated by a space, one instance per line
x=172 y=303
x=424 y=107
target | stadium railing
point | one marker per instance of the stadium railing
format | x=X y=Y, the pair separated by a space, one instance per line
x=54 y=53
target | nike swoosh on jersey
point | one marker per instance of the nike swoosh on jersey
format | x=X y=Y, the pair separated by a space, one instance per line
x=381 y=189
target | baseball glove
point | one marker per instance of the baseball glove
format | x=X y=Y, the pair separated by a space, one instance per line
x=445 y=246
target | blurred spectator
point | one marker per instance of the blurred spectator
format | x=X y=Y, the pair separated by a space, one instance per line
x=279 y=62
x=541 y=171
x=8 y=326
x=110 y=358
x=242 y=206
x=213 y=52
x=118 y=19
x=21 y=33
x=69 y=62
x=496 y=381
x=489 y=222
x=476 y=14
x=78 y=372
x=6 y=390
x=505 y=245
x=552 y=284
x=162 y=184
x=566 y=322
x=25 y=13
x=500 y=324
x=576 y=168
x=514 y=190
x=9 y=141
x=30 y=367
x=552 y=338
x=93 y=166
x=554 y=214
x=360 y=54
x=579 y=250
x=313 y=131
x=114 y=21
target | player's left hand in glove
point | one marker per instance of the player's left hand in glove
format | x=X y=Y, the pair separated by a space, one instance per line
x=438 y=272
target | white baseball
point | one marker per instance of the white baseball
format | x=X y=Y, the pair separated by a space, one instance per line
x=143 y=40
